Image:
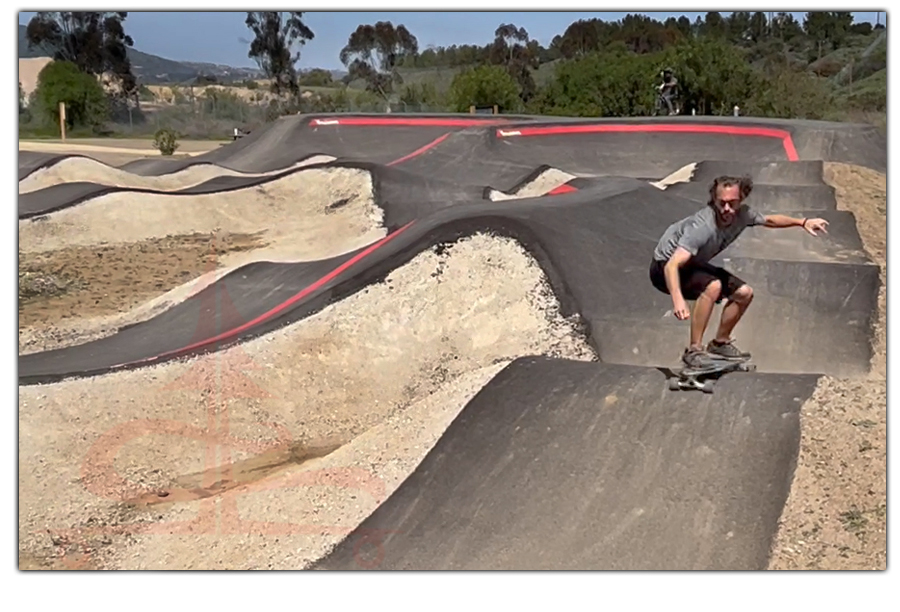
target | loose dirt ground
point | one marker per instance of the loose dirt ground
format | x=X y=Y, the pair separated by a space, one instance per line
x=378 y=375
x=107 y=148
x=836 y=515
x=113 y=151
x=97 y=281
x=127 y=145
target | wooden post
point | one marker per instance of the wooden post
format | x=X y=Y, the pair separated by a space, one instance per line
x=472 y=110
x=62 y=119
x=495 y=109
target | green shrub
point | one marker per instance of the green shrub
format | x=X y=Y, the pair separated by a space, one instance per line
x=166 y=141
x=83 y=96
x=484 y=86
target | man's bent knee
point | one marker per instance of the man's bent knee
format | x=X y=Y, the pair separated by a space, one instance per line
x=713 y=290
x=743 y=295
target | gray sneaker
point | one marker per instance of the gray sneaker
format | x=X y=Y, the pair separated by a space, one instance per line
x=695 y=358
x=726 y=350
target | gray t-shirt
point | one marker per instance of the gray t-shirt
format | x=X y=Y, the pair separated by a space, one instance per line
x=701 y=237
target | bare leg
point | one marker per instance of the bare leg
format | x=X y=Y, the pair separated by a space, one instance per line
x=702 y=311
x=733 y=312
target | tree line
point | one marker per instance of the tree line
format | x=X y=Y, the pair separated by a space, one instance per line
x=764 y=62
x=376 y=53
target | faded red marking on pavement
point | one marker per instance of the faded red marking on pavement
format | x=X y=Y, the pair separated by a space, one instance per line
x=421 y=150
x=280 y=307
x=408 y=121
x=732 y=130
x=564 y=188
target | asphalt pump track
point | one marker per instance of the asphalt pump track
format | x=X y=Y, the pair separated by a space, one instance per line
x=556 y=464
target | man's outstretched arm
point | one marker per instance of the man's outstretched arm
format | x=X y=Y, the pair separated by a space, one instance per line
x=810 y=225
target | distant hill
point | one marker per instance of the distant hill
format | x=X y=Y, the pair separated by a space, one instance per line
x=152 y=69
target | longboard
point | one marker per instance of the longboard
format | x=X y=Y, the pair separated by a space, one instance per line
x=690 y=378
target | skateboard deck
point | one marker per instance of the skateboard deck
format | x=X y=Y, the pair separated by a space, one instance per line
x=703 y=378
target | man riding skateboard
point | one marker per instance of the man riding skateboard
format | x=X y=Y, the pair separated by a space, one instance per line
x=681 y=268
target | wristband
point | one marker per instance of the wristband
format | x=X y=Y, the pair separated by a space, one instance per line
x=803 y=225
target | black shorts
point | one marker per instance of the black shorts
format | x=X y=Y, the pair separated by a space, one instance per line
x=694 y=279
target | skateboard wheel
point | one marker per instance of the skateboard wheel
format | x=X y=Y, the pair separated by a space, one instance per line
x=707 y=387
x=674 y=385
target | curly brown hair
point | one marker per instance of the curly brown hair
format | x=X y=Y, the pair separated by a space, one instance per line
x=744 y=183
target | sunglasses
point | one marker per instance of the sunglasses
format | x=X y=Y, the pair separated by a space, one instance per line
x=731 y=204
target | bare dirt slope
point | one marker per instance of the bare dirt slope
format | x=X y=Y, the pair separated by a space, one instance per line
x=836 y=516
x=124 y=146
x=111 y=157
x=92 y=171
x=377 y=376
x=86 y=282
x=541 y=185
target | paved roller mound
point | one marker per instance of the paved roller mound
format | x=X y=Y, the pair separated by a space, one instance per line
x=289 y=206
x=559 y=461
x=84 y=169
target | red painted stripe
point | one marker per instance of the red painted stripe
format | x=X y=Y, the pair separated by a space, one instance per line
x=564 y=188
x=789 y=149
x=421 y=150
x=280 y=307
x=411 y=121
x=733 y=130
x=663 y=127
